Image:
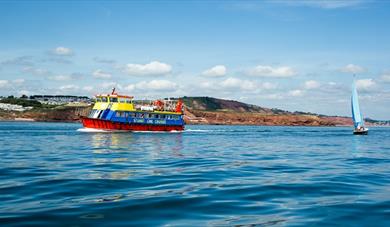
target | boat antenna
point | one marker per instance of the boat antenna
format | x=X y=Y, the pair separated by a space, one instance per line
x=113 y=91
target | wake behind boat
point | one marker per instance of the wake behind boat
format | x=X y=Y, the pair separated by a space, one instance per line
x=358 y=122
x=121 y=112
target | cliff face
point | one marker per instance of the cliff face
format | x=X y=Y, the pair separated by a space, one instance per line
x=207 y=110
x=230 y=118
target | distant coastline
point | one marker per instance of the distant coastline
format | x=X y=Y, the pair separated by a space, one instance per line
x=198 y=110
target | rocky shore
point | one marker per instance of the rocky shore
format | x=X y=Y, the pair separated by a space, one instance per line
x=229 y=118
x=62 y=114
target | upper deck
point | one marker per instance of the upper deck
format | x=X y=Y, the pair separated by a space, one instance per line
x=117 y=102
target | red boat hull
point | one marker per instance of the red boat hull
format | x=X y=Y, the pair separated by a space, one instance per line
x=109 y=125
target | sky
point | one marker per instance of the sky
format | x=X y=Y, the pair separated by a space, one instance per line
x=292 y=55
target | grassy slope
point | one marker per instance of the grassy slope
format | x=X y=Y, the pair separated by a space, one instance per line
x=214 y=104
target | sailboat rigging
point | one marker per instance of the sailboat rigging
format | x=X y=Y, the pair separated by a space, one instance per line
x=357 y=117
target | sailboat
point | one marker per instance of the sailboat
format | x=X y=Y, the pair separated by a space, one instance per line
x=357 y=117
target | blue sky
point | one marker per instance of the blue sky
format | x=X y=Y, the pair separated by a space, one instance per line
x=294 y=55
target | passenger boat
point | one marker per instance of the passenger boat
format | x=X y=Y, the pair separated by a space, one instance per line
x=121 y=112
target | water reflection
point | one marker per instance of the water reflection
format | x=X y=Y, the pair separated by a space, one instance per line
x=148 y=142
x=128 y=151
x=110 y=142
x=358 y=145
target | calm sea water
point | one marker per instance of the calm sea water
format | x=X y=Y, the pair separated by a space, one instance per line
x=52 y=174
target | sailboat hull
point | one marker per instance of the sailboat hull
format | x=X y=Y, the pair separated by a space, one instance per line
x=360 y=132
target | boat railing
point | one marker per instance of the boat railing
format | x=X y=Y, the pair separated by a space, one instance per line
x=156 y=105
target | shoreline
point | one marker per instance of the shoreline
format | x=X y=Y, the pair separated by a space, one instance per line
x=193 y=117
x=30 y=120
x=53 y=121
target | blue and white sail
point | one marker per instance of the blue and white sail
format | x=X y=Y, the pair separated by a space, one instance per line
x=356 y=115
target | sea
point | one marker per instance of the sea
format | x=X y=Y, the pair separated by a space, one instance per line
x=56 y=174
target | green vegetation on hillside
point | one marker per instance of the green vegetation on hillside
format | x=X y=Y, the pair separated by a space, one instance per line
x=214 y=104
x=205 y=103
x=26 y=102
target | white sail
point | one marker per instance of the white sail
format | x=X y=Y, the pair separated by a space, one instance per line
x=356 y=115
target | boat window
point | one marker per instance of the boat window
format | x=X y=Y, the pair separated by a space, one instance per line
x=122 y=100
x=99 y=99
x=132 y=114
x=113 y=99
x=128 y=101
x=104 y=99
x=162 y=116
x=91 y=113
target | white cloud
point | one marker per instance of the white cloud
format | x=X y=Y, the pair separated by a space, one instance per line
x=35 y=71
x=216 y=71
x=63 y=51
x=269 y=86
x=110 y=85
x=130 y=87
x=88 y=88
x=69 y=87
x=232 y=84
x=101 y=75
x=351 y=68
x=207 y=85
x=386 y=77
x=269 y=71
x=235 y=83
x=272 y=96
x=324 y=4
x=312 y=84
x=4 y=83
x=296 y=93
x=24 y=92
x=18 y=81
x=60 y=77
x=365 y=84
x=153 y=85
x=157 y=85
x=153 y=68
x=23 y=61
